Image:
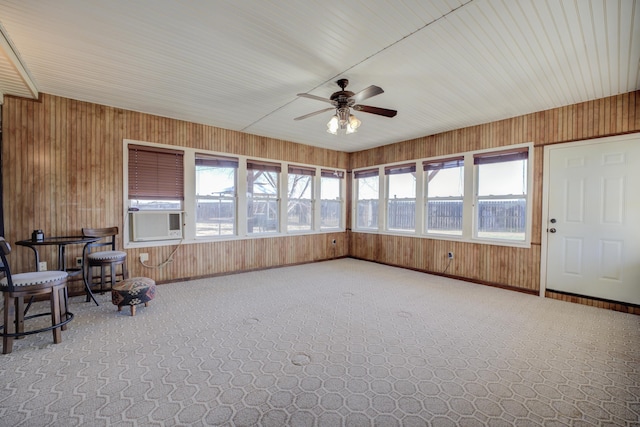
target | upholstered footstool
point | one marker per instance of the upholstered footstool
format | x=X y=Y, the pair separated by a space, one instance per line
x=133 y=291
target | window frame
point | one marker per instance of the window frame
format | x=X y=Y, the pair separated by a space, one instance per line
x=271 y=200
x=226 y=162
x=190 y=198
x=340 y=177
x=441 y=164
x=389 y=172
x=363 y=174
x=495 y=157
x=295 y=170
x=470 y=179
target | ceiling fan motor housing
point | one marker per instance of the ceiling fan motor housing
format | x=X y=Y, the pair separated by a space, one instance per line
x=341 y=98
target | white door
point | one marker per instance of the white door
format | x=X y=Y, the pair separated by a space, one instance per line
x=593 y=219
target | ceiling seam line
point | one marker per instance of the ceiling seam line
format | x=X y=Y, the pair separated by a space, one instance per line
x=428 y=24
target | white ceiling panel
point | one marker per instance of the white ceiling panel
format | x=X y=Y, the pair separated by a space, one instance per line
x=443 y=64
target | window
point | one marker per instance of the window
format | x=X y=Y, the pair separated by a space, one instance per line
x=501 y=197
x=262 y=197
x=226 y=196
x=401 y=197
x=156 y=178
x=477 y=196
x=216 y=195
x=444 y=183
x=299 y=200
x=367 y=194
x=330 y=199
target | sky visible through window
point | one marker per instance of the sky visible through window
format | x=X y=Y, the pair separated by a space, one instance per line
x=503 y=178
x=213 y=181
x=494 y=179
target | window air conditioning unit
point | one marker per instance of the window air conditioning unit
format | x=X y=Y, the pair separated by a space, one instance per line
x=155 y=225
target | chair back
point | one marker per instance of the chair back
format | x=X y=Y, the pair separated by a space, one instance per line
x=5 y=249
x=107 y=238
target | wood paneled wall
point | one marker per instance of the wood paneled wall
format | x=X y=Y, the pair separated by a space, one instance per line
x=513 y=267
x=62 y=170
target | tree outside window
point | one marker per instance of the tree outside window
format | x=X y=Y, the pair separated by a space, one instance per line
x=262 y=197
x=300 y=200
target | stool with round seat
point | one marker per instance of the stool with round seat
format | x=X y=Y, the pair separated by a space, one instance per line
x=133 y=291
x=17 y=287
x=104 y=259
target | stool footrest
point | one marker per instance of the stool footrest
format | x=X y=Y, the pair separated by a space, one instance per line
x=69 y=318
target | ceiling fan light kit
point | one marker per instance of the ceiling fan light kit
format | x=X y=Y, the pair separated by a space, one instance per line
x=343 y=101
x=343 y=120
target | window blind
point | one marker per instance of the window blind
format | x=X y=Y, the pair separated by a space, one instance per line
x=216 y=161
x=264 y=166
x=326 y=173
x=155 y=173
x=301 y=170
x=398 y=169
x=501 y=156
x=453 y=162
x=365 y=173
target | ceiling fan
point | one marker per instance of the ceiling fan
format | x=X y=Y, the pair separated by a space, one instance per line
x=342 y=102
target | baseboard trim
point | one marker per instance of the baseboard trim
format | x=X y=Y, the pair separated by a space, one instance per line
x=593 y=301
x=249 y=270
x=464 y=279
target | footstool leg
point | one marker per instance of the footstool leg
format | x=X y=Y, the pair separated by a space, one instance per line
x=132 y=292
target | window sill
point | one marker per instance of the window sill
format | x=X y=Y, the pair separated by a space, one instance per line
x=462 y=239
x=199 y=240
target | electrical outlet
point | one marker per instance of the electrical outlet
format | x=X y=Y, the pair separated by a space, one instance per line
x=78 y=261
x=42 y=266
x=144 y=257
x=450 y=255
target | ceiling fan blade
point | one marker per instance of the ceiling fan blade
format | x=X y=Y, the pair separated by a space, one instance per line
x=314 y=113
x=317 y=98
x=367 y=93
x=375 y=110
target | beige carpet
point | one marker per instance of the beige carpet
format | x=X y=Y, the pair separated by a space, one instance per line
x=338 y=343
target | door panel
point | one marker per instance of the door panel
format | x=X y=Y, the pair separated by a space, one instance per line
x=574 y=194
x=593 y=240
x=572 y=256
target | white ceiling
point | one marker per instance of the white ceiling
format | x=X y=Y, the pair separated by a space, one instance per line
x=443 y=64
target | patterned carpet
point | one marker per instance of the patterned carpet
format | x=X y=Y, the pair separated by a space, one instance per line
x=337 y=343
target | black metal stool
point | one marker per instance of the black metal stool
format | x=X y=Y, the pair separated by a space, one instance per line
x=17 y=287
x=103 y=259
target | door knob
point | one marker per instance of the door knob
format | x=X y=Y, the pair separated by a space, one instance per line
x=552 y=230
